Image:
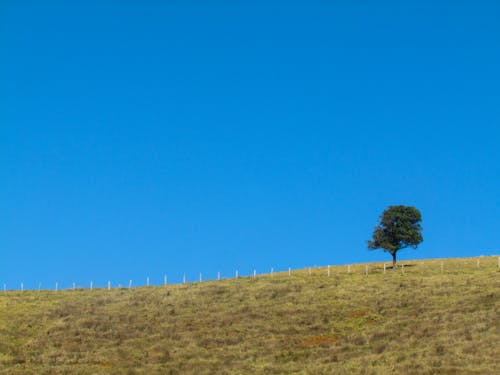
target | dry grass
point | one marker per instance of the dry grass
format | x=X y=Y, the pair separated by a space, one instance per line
x=419 y=322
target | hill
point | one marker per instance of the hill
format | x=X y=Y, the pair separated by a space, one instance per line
x=422 y=321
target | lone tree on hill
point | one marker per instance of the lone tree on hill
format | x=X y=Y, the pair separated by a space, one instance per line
x=399 y=228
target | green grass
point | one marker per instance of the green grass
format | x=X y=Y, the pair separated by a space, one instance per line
x=419 y=322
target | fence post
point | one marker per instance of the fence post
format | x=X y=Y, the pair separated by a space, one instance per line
x=236 y=274
x=109 y=285
x=403 y=269
x=91 y=285
x=328 y=270
x=130 y=284
x=384 y=268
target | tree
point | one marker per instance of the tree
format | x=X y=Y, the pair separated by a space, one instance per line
x=399 y=228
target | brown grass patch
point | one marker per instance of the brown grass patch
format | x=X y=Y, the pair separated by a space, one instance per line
x=319 y=340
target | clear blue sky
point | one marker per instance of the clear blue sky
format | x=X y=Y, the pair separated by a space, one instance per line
x=139 y=138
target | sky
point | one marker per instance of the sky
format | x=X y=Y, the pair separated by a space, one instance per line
x=143 y=138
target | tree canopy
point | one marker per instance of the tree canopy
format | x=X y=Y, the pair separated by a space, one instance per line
x=399 y=228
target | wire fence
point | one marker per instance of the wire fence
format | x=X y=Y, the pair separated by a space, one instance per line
x=414 y=267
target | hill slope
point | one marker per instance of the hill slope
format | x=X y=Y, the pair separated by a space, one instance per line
x=419 y=322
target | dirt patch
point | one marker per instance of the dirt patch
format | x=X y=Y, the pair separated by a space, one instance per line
x=359 y=313
x=365 y=314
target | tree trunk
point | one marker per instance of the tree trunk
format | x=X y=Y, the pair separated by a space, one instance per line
x=394 y=265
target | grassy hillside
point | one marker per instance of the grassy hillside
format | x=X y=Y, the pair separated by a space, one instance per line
x=419 y=322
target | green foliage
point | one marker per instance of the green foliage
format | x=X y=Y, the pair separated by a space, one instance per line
x=399 y=228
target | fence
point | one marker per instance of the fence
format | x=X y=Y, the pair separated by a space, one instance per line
x=422 y=267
